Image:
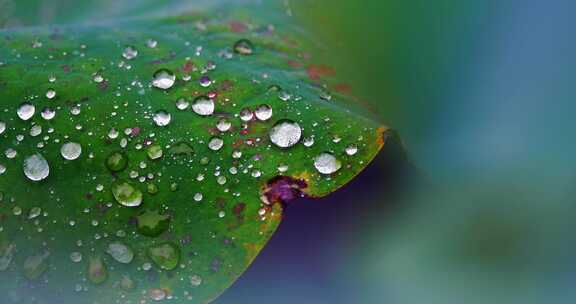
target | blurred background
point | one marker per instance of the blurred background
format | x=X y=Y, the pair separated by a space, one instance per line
x=474 y=202
x=483 y=209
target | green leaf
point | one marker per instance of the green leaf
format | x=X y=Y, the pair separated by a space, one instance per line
x=147 y=159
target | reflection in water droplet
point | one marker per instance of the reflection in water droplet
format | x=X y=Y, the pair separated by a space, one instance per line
x=216 y=143
x=163 y=79
x=36 y=167
x=285 y=133
x=182 y=104
x=326 y=163
x=26 y=111
x=162 y=118
x=2 y=127
x=263 y=112
x=246 y=114
x=126 y=195
x=203 y=106
x=243 y=47
x=71 y=150
x=51 y=93
x=47 y=113
x=130 y=52
x=351 y=150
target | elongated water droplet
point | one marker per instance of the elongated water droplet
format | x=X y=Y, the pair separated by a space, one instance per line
x=203 y=106
x=2 y=127
x=326 y=163
x=97 y=270
x=163 y=79
x=36 y=167
x=285 y=133
x=71 y=150
x=223 y=125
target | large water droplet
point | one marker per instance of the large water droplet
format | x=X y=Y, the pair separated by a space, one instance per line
x=71 y=150
x=203 y=106
x=126 y=195
x=244 y=47
x=285 y=133
x=163 y=79
x=130 y=52
x=26 y=111
x=223 y=125
x=326 y=163
x=36 y=167
x=162 y=118
x=120 y=252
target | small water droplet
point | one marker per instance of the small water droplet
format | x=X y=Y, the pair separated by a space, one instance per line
x=182 y=104
x=47 y=113
x=163 y=79
x=246 y=114
x=151 y=43
x=285 y=133
x=326 y=163
x=26 y=111
x=351 y=150
x=203 y=106
x=71 y=150
x=244 y=47
x=36 y=167
x=50 y=94
x=205 y=81
x=223 y=125
x=130 y=52
x=166 y=255
x=263 y=112
x=162 y=118
x=155 y=152
x=120 y=252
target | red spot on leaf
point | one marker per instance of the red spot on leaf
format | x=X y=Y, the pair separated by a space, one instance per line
x=315 y=72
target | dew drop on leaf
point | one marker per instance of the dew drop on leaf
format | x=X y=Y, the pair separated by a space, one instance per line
x=26 y=111
x=130 y=52
x=162 y=118
x=203 y=106
x=36 y=167
x=215 y=143
x=163 y=79
x=285 y=134
x=117 y=161
x=126 y=195
x=71 y=150
x=326 y=163
x=243 y=47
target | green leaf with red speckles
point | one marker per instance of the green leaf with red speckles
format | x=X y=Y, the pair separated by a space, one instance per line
x=145 y=158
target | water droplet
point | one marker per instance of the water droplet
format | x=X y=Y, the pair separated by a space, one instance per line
x=166 y=255
x=243 y=47
x=76 y=257
x=2 y=127
x=97 y=270
x=216 y=143
x=152 y=223
x=51 y=93
x=26 y=111
x=326 y=163
x=98 y=78
x=71 y=150
x=127 y=283
x=308 y=141
x=130 y=52
x=246 y=114
x=126 y=195
x=34 y=266
x=157 y=294
x=117 y=161
x=351 y=150
x=34 y=213
x=203 y=106
x=195 y=280
x=263 y=112
x=163 y=79
x=155 y=152
x=120 y=252
x=223 y=125
x=182 y=104
x=36 y=167
x=205 y=81
x=47 y=113
x=285 y=133
x=151 y=43
x=162 y=118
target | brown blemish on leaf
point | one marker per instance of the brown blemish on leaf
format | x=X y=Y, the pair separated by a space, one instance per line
x=315 y=72
x=381 y=137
